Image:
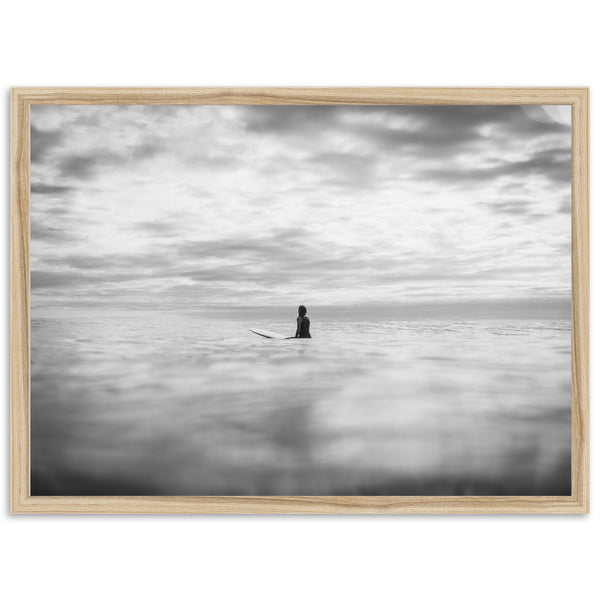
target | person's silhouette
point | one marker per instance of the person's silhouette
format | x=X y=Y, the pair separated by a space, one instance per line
x=303 y=328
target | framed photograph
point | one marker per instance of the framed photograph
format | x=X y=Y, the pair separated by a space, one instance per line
x=299 y=300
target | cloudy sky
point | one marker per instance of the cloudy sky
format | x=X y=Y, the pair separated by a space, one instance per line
x=221 y=208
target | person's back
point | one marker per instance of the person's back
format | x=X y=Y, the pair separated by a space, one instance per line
x=303 y=324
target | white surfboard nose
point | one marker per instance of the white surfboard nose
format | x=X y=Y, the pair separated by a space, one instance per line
x=268 y=334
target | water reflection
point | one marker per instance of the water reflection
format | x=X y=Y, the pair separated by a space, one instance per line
x=136 y=406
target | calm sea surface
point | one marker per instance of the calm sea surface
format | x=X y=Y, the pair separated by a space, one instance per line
x=191 y=406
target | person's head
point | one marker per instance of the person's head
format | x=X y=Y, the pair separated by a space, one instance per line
x=302 y=310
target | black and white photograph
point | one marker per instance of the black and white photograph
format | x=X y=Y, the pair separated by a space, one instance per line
x=300 y=300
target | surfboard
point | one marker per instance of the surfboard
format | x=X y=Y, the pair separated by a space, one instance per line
x=269 y=334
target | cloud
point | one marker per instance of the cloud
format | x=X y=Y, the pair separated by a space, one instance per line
x=511 y=207
x=86 y=166
x=347 y=169
x=40 y=279
x=151 y=263
x=286 y=120
x=205 y=206
x=70 y=278
x=439 y=129
x=39 y=232
x=79 y=167
x=42 y=141
x=276 y=245
x=156 y=228
x=44 y=188
x=553 y=165
x=145 y=150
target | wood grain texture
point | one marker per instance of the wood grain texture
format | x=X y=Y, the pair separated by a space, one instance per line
x=580 y=303
x=21 y=500
x=299 y=95
x=19 y=300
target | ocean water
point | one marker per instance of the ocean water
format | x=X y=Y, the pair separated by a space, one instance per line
x=194 y=406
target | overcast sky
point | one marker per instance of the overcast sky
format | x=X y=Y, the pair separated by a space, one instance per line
x=210 y=207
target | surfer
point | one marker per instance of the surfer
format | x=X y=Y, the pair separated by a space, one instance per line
x=303 y=328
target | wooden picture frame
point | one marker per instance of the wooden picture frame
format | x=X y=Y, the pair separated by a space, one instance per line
x=21 y=499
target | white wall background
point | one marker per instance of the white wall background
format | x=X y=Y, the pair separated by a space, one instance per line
x=265 y=42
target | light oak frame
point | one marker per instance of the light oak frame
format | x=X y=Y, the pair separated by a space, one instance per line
x=21 y=499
